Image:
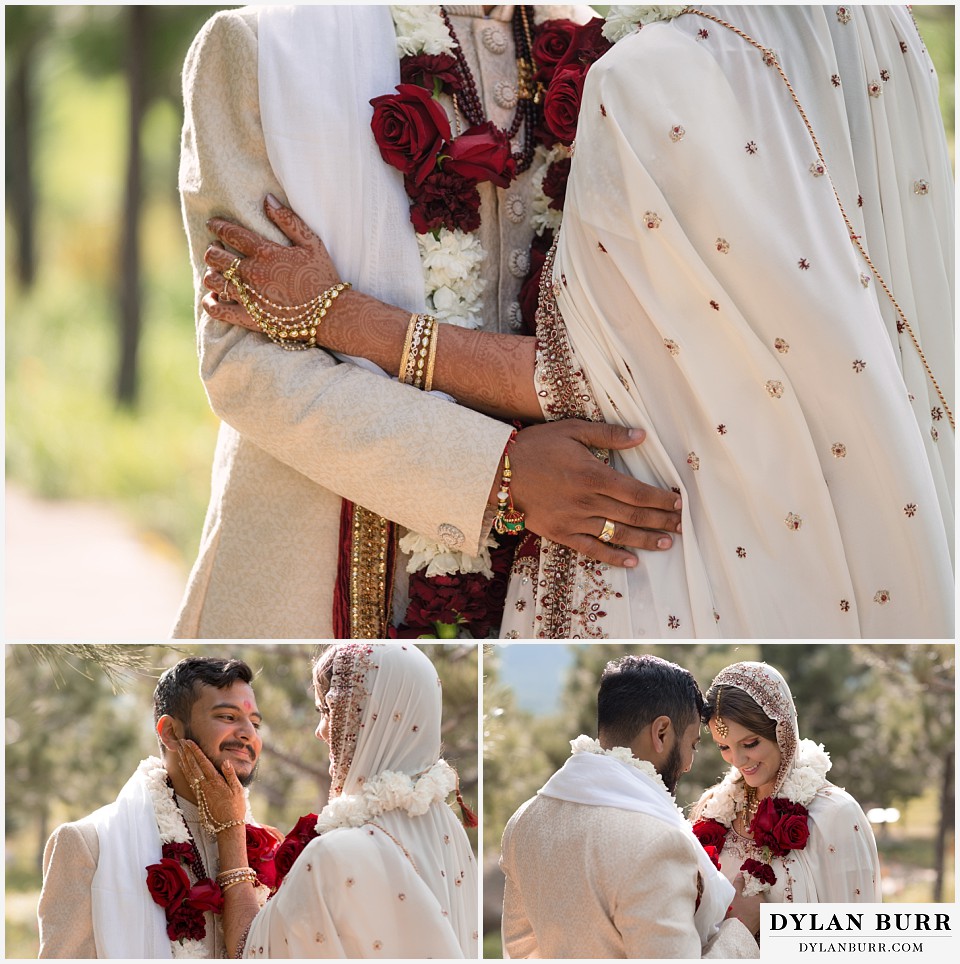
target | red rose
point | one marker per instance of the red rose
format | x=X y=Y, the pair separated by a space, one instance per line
x=293 y=844
x=261 y=844
x=262 y=847
x=763 y=872
x=443 y=200
x=588 y=44
x=561 y=106
x=186 y=924
x=424 y=69
x=555 y=182
x=551 y=43
x=410 y=128
x=793 y=832
x=205 y=895
x=710 y=833
x=168 y=883
x=481 y=153
x=714 y=856
x=780 y=825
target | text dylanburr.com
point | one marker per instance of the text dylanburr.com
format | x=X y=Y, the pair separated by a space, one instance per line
x=858 y=932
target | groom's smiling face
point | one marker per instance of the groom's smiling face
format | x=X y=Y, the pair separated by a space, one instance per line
x=225 y=724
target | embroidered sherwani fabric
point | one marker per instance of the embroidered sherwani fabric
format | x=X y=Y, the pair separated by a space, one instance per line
x=299 y=430
x=65 y=911
x=710 y=293
x=599 y=882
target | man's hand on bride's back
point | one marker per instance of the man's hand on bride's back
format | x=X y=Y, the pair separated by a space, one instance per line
x=567 y=494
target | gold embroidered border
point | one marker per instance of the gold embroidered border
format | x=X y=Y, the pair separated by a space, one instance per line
x=370 y=555
x=565 y=392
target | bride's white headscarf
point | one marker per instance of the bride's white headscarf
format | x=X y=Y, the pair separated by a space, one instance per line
x=385 y=710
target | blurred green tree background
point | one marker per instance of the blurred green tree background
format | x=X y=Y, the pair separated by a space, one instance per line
x=80 y=717
x=103 y=397
x=884 y=712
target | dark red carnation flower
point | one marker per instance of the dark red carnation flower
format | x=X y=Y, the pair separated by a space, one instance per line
x=710 y=833
x=410 y=127
x=186 y=924
x=424 y=69
x=443 y=200
x=763 y=872
x=481 y=153
x=168 y=883
x=551 y=43
x=293 y=844
x=555 y=182
x=561 y=106
x=179 y=851
x=449 y=600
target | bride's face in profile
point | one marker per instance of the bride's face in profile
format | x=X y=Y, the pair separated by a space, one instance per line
x=757 y=758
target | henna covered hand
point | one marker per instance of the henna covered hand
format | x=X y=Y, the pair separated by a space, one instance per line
x=283 y=274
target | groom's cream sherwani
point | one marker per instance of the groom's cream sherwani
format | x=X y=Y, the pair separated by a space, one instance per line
x=599 y=882
x=70 y=860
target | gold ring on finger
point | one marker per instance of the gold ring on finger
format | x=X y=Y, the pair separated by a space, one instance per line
x=606 y=533
x=231 y=273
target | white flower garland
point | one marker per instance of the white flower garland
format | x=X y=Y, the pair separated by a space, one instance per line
x=173 y=829
x=584 y=744
x=623 y=21
x=799 y=786
x=389 y=791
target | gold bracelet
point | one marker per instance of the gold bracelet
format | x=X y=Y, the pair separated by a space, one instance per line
x=238 y=873
x=431 y=358
x=405 y=354
x=293 y=332
x=237 y=880
x=423 y=350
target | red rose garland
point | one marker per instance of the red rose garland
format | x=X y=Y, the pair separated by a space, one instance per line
x=778 y=827
x=441 y=174
x=184 y=904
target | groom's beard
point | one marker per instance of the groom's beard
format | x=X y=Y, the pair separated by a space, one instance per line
x=244 y=779
x=672 y=769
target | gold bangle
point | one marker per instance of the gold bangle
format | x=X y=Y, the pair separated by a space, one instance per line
x=405 y=354
x=237 y=880
x=431 y=358
x=238 y=875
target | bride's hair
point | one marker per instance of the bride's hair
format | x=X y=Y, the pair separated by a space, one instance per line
x=739 y=707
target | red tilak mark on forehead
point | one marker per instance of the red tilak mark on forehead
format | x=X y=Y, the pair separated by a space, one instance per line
x=247 y=705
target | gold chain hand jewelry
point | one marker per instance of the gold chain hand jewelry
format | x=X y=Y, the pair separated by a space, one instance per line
x=293 y=332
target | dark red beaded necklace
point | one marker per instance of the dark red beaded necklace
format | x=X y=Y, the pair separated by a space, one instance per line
x=528 y=98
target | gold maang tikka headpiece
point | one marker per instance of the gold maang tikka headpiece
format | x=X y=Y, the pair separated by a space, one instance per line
x=722 y=728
